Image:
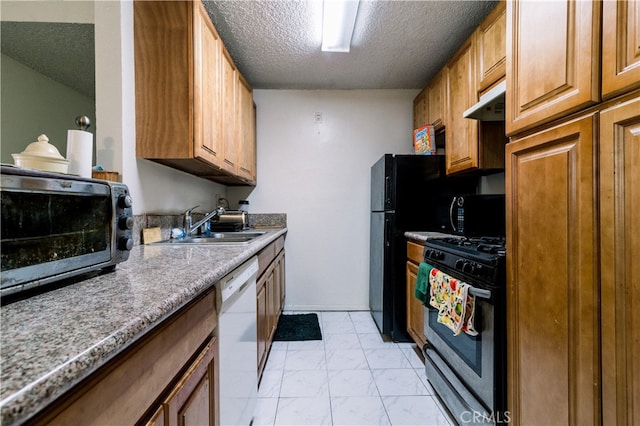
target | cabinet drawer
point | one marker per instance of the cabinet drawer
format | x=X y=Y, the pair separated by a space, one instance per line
x=279 y=244
x=415 y=252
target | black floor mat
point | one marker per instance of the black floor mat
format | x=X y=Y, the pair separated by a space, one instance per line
x=298 y=327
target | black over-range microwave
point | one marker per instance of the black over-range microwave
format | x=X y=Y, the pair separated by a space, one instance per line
x=472 y=215
x=56 y=226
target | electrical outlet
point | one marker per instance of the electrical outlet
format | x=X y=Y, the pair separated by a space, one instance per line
x=317 y=117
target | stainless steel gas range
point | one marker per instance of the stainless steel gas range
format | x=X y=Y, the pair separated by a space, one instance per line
x=468 y=371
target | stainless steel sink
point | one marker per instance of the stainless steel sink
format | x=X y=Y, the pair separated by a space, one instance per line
x=243 y=237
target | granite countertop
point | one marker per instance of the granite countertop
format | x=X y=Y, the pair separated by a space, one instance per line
x=422 y=236
x=52 y=341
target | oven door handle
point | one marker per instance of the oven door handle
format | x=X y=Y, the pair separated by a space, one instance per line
x=481 y=293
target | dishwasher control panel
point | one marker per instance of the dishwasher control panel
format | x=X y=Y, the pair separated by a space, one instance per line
x=235 y=281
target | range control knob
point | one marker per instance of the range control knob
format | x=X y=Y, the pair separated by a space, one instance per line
x=125 y=222
x=468 y=267
x=459 y=264
x=125 y=244
x=124 y=201
x=439 y=255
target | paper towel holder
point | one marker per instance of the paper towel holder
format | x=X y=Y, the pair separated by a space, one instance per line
x=83 y=122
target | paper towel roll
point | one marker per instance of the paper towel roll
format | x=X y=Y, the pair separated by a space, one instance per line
x=80 y=152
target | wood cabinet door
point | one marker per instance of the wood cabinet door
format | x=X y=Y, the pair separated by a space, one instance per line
x=163 y=61
x=193 y=400
x=157 y=419
x=552 y=289
x=462 y=133
x=246 y=131
x=229 y=93
x=415 y=309
x=620 y=270
x=207 y=111
x=276 y=292
x=420 y=110
x=552 y=60
x=491 y=54
x=272 y=302
x=283 y=279
x=262 y=320
x=437 y=99
x=278 y=270
x=620 y=47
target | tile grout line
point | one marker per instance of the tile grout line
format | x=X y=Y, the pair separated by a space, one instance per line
x=358 y=331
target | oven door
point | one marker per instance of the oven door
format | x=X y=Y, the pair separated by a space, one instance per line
x=470 y=358
x=48 y=234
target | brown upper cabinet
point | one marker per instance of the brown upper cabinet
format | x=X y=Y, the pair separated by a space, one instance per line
x=462 y=134
x=229 y=99
x=553 y=60
x=420 y=109
x=620 y=47
x=491 y=54
x=437 y=99
x=430 y=106
x=478 y=65
x=186 y=100
x=246 y=119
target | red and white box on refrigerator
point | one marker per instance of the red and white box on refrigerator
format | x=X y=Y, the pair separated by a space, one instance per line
x=424 y=140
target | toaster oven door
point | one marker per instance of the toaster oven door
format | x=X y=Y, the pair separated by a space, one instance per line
x=46 y=234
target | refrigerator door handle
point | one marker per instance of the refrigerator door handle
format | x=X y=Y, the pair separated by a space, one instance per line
x=387 y=191
x=387 y=233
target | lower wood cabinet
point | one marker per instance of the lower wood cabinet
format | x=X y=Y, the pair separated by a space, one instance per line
x=193 y=401
x=166 y=378
x=415 y=308
x=270 y=296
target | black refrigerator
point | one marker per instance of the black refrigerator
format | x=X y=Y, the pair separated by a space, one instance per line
x=408 y=193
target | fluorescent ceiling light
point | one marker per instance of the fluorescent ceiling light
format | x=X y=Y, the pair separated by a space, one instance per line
x=338 y=20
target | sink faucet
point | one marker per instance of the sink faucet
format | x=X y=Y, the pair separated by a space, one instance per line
x=190 y=228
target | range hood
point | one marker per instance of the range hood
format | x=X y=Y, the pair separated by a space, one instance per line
x=491 y=105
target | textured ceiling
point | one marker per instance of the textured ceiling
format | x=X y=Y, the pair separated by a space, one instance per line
x=396 y=44
x=276 y=43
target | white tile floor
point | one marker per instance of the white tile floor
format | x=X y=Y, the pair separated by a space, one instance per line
x=350 y=377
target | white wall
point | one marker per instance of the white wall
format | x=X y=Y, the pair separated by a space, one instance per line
x=32 y=104
x=319 y=175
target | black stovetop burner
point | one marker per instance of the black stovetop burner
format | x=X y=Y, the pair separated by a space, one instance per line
x=481 y=259
x=489 y=245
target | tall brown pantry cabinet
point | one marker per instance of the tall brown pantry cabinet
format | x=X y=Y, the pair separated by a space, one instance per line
x=620 y=251
x=552 y=287
x=572 y=185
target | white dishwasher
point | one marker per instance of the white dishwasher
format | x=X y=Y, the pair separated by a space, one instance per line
x=237 y=336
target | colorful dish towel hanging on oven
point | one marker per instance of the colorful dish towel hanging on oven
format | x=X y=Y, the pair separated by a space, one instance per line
x=450 y=296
